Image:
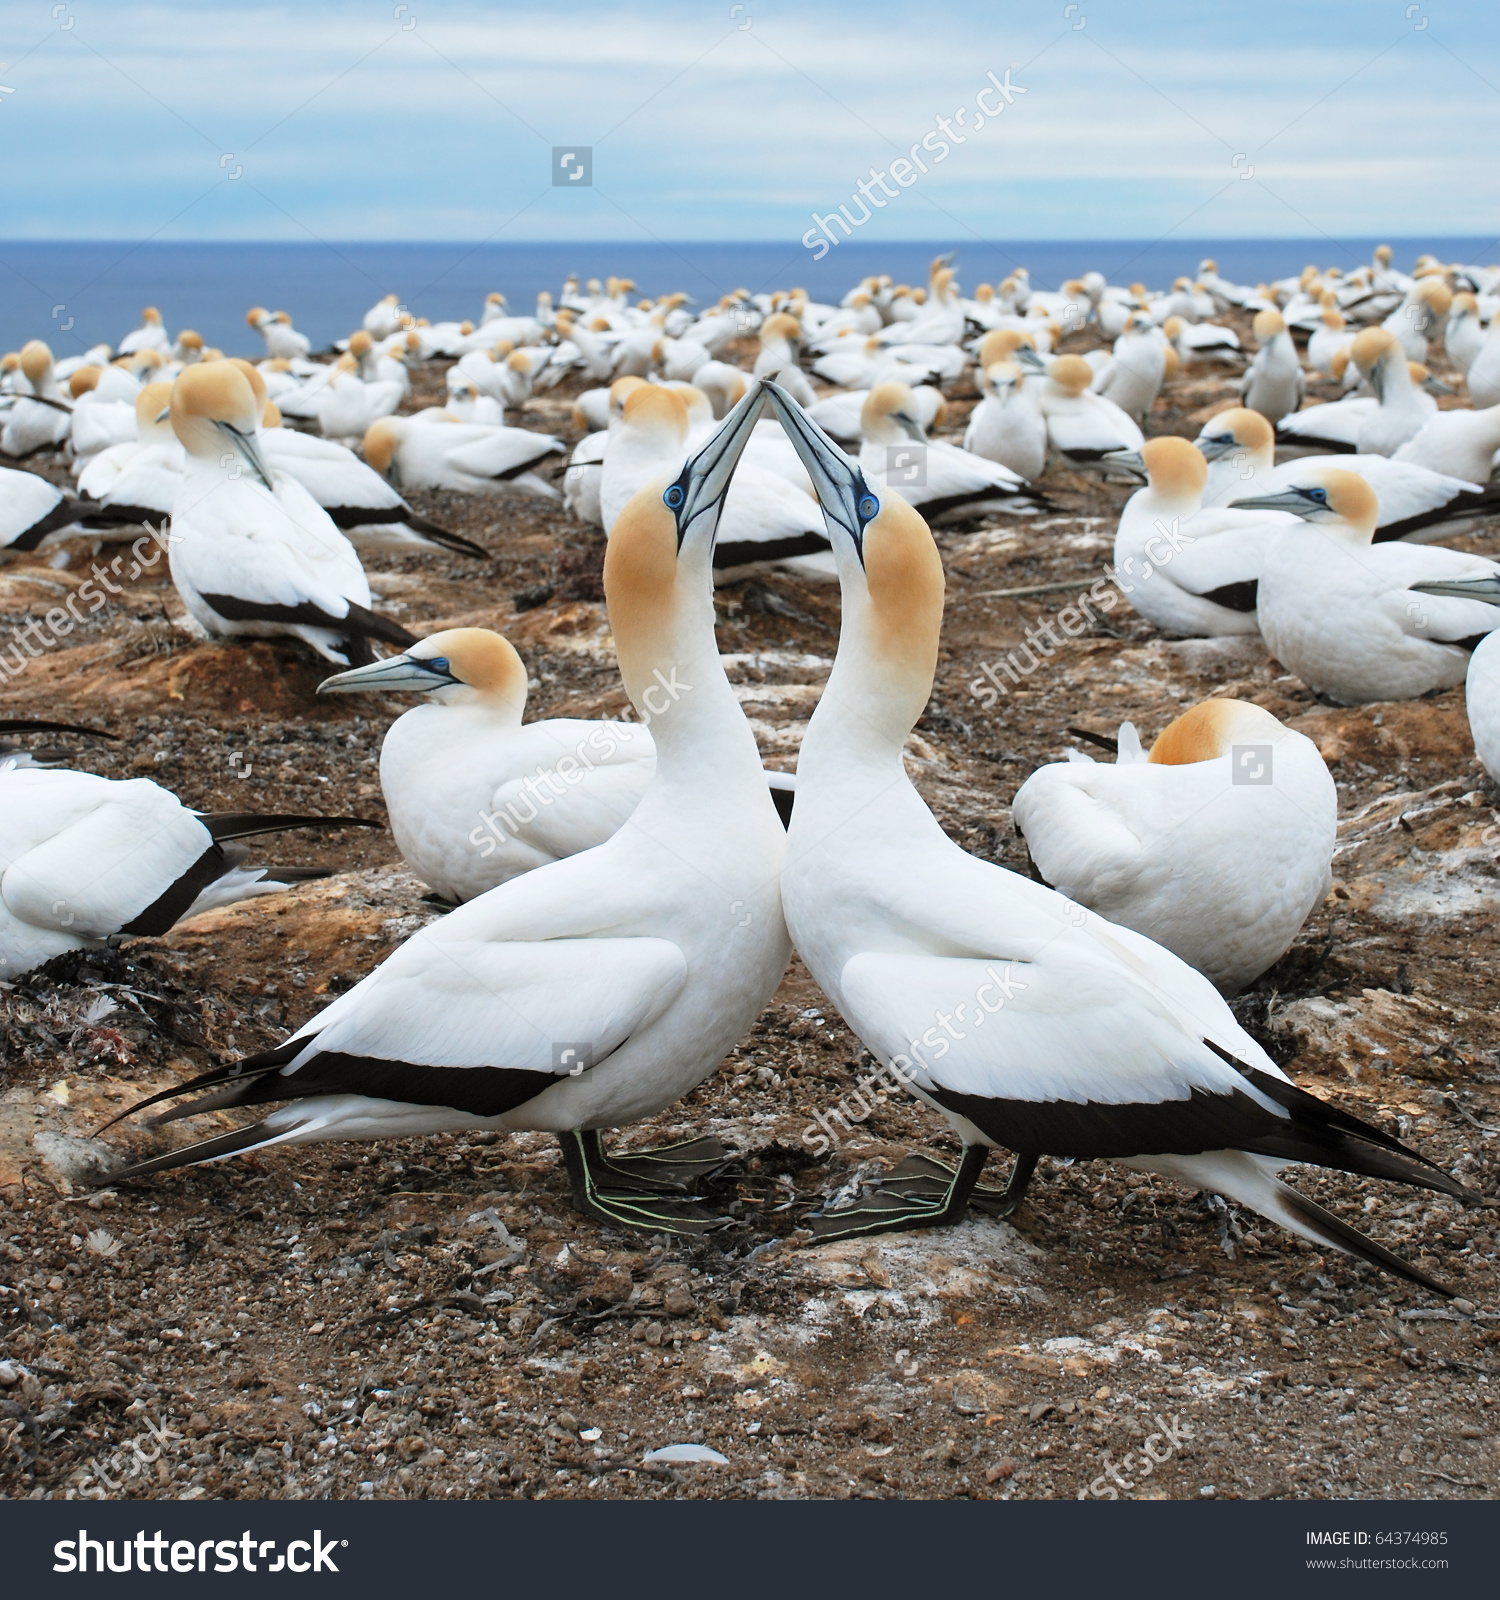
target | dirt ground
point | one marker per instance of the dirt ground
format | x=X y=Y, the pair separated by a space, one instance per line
x=432 y=1319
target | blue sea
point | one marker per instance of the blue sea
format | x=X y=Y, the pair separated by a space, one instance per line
x=75 y=294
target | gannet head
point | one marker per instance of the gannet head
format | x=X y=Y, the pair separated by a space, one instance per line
x=189 y=339
x=1376 y=352
x=1009 y=344
x=1209 y=730
x=215 y=413
x=83 y=381
x=1383 y=254
x=1172 y=327
x=656 y=416
x=1434 y=294
x=889 y=415
x=460 y=666
x=1004 y=379
x=152 y=410
x=619 y=392
x=780 y=326
x=36 y=360
x=1238 y=429
x=1071 y=374
x=256 y=315
x=382 y=440
x=658 y=565
x=254 y=379
x=360 y=343
x=1338 y=364
x=1327 y=496
x=1173 y=467
x=1465 y=304
x=1267 y=325
x=270 y=415
x=700 y=411
x=889 y=571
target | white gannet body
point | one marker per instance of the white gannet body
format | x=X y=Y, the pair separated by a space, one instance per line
x=435 y=453
x=140 y=480
x=1482 y=701
x=103 y=409
x=33 y=511
x=1081 y=425
x=1007 y=425
x=283 y=342
x=1273 y=383
x=1358 y=621
x=475 y=795
x=1370 y=426
x=84 y=859
x=41 y=418
x=602 y=988
x=1460 y=443
x=1137 y=369
x=1189 y=570
x=1217 y=845
x=151 y=335
x=1028 y=1021
x=1482 y=374
x=252 y=553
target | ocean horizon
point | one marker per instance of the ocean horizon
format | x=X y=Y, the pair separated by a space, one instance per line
x=77 y=293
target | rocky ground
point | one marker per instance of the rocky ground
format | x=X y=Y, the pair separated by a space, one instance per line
x=432 y=1319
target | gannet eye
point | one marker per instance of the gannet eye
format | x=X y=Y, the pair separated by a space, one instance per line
x=437 y=664
x=1320 y=495
x=674 y=496
x=868 y=507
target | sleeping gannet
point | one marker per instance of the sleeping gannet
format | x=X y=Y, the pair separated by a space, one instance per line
x=1189 y=569
x=85 y=859
x=252 y=553
x=1273 y=383
x=103 y=409
x=417 y=453
x=1177 y=845
x=139 y=480
x=1415 y=504
x=1083 y=426
x=33 y=511
x=1030 y=1022
x=602 y=988
x=1358 y=621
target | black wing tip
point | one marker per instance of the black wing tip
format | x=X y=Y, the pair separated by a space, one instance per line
x=33 y=725
x=228 y=825
x=1105 y=741
x=1335 y=1231
x=226 y=1144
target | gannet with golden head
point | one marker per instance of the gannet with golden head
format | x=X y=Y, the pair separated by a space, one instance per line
x=1007 y=425
x=1029 y=1022
x=598 y=990
x=252 y=553
x=282 y=339
x=1273 y=383
x=1359 y=621
x=138 y=480
x=151 y=335
x=476 y=795
x=1083 y=426
x=1371 y=425
x=1216 y=845
x=1133 y=376
x=41 y=416
x=474 y=458
x=1415 y=503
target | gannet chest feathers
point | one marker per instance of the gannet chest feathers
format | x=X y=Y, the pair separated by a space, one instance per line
x=475 y=796
x=1358 y=621
x=253 y=554
x=601 y=988
x=1216 y=846
x=1030 y=1022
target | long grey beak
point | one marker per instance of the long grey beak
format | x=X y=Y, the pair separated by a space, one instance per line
x=704 y=482
x=245 y=447
x=838 y=482
x=395 y=672
x=1212 y=449
x=1486 y=589
x=1131 y=460
x=911 y=427
x=1296 y=501
x=1024 y=356
x=1437 y=387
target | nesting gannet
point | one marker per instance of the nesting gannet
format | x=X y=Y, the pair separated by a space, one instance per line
x=1329 y=338
x=136 y=481
x=151 y=335
x=1377 y=425
x=1030 y=1022
x=33 y=511
x=42 y=418
x=1181 y=847
x=597 y=990
x=1083 y=426
x=780 y=343
x=1273 y=383
x=85 y=859
x=1460 y=443
x=942 y=479
x=470 y=457
x=1420 y=316
x=1358 y=621
x=1190 y=570
x=252 y=553
x=839 y=414
x=103 y=409
x=1415 y=503
x=1482 y=701
x=1007 y=425
x=1482 y=372
x=1135 y=372
x=475 y=795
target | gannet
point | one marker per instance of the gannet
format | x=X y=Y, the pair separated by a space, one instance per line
x=475 y=795
x=1482 y=374
x=42 y=418
x=839 y=414
x=1196 y=341
x=385 y=317
x=1083 y=426
x=1415 y=503
x=1369 y=426
x=33 y=511
x=939 y=477
x=1179 y=846
x=1133 y=377
x=1419 y=316
x=188 y=348
x=84 y=860
x=103 y=409
x=149 y=336
x=1007 y=425
x=1273 y=383
x=275 y=327
x=1358 y=621
x=1460 y=443
x=602 y=988
x=139 y=480
x=1190 y=570
x=1329 y=338
x=780 y=342
x=470 y=457
x=252 y=553
x=1028 y=1021
x=1482 y=701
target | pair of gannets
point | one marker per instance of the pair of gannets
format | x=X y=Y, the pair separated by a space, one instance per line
x=1216 y=845
x=85 y=859
x=597 y=990
x=252 y=553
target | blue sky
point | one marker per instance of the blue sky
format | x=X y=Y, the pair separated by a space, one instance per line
x=436 y=120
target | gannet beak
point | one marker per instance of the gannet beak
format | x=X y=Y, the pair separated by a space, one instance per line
x=911 y=427
x=704 y=482
x=1214 y=447
x=164 y=414
x=1300 y=502
x=1437 y=387
x=395 y=672
x=1131 y=460
x=243 y=445
x=1024 y=356
x=838 y=482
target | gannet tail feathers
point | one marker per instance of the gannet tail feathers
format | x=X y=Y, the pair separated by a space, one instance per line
x=1308 y=1218
x=357 y=627
x=225 y=825
x=1105 y=741
x=31 y=725
x=226 y=1144
x=347 y=517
